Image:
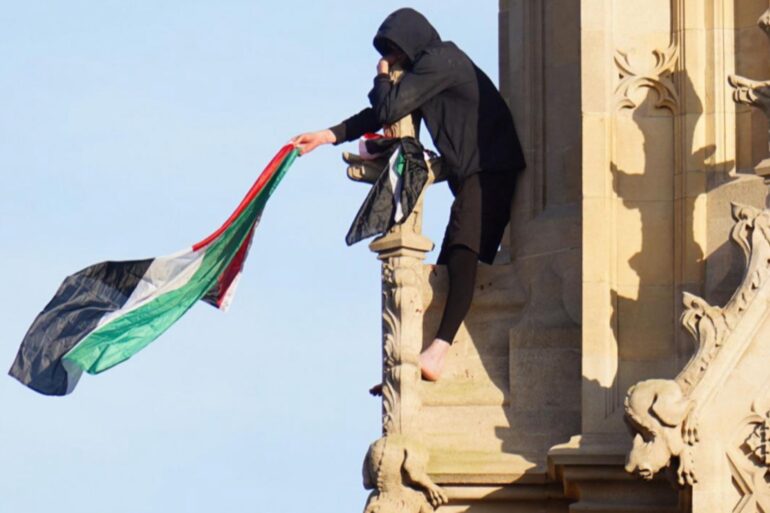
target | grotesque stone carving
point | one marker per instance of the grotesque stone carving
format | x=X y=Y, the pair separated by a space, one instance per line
x=395 y=469
x=660 y=414
x=753 y=92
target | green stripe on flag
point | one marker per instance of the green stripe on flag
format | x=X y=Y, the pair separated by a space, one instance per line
x=400 y=162
x=127 y=334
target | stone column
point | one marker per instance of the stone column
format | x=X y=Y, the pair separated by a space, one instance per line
x=402 y=251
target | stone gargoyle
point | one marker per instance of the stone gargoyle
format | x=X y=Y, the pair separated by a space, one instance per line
x=660 y=415
x=753 y=92
x=395 y=469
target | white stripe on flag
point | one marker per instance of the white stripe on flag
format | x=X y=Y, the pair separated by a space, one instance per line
x=165 y=274
x=396 y=181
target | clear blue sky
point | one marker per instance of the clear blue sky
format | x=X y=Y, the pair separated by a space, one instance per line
x=131 y=130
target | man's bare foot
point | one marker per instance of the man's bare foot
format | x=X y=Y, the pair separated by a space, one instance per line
x=432 y=359
x=376 y=390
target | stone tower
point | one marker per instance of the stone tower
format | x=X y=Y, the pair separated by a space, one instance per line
x=617 y=355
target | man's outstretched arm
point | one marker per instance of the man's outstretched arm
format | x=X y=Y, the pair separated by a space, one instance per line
x=387 y=102
x=349 y=130
x=309 y=141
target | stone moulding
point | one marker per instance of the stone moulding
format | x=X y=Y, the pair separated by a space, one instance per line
x=663 y=413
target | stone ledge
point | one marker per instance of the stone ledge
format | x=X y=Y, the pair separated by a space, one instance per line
x=508 y=493
x=490 y=468
x=592 y=473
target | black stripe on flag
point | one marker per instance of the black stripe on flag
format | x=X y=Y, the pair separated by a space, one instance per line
x=81 y=301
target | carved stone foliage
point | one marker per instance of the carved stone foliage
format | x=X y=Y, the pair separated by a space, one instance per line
x=753 y=92
x=657 y=78
x=400 y=287
x=749 y=459
x=662 y=413
x=709 y=326
x=395 y=469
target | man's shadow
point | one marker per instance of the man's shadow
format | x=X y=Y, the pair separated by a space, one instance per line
x=647 y=301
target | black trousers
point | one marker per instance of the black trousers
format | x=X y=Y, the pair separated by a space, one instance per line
x=480 y=212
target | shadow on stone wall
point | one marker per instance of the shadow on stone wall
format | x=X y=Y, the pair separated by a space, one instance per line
x=647 y=305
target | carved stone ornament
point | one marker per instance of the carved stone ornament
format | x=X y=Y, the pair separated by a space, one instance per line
x=399 y=282
x=395 y=469
x=753 y=92
x=662 y=413
x=749 y=459
x=657 y=78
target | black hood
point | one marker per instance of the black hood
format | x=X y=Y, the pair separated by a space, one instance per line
x=407 y=29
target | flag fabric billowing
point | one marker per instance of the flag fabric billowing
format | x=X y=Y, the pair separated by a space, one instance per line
x=395 y=193
x=106 y=313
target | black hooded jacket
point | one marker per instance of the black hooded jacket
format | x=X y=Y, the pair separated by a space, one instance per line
x=467 y=118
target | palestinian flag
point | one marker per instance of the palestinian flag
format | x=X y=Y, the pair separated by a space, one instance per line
x=106 y=313
x=395 y=193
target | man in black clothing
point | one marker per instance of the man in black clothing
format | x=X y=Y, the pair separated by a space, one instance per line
x=473 y=130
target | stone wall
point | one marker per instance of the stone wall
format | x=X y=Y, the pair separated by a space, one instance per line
x=635 y=150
